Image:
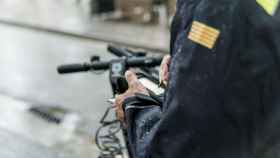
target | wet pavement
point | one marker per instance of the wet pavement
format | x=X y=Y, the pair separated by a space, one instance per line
x=23 y=135
x=28 y=62
x=17 y=146
x=28 y=67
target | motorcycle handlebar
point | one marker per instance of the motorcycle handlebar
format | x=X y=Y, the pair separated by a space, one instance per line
x=133 y=62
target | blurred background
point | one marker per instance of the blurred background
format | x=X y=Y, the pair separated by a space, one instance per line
x=36 y=37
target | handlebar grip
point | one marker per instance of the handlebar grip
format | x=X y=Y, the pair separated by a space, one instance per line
x=119 y=52
x=71 y=68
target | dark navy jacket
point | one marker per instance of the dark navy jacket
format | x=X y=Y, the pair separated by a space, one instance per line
x=221 y=102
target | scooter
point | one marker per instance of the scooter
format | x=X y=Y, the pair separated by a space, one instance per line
x=107 y=137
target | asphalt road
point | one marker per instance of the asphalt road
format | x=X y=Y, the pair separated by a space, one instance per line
x=28 y=66
x=28 y=62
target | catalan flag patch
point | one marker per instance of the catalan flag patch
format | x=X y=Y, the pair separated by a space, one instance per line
x=270 y=6
x=203 y=34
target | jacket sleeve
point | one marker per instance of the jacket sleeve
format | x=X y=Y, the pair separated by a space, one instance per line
x=142 y=115
x=193 y=124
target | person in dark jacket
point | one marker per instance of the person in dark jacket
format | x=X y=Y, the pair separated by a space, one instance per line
x=223 y=94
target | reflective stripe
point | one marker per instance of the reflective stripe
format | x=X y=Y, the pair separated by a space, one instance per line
x=270 y=6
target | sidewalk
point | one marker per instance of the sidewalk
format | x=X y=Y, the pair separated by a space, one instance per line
x=66 y=17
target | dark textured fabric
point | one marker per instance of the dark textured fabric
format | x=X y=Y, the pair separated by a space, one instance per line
x=142 y=115
x=222 y=102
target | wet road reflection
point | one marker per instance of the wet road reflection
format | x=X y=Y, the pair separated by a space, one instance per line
x=28 y=62
x=16 y=146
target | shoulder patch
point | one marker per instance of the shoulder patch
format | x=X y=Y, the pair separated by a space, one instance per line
x=203 y=34
x=270 y=6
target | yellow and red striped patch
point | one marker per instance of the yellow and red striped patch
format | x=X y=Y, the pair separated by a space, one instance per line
x=203 y=34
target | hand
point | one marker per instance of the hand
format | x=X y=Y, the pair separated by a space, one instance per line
x=134 y=86
x=164 y=70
